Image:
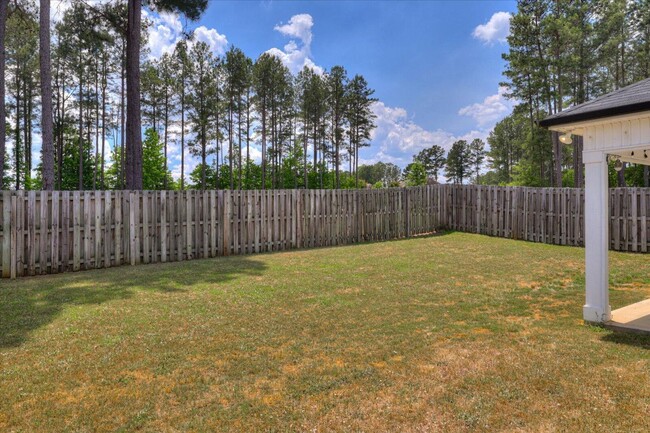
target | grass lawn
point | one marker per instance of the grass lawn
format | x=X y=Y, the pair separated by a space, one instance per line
x=451 y=333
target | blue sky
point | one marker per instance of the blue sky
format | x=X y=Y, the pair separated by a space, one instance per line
x=417 y=55
x=435 y=65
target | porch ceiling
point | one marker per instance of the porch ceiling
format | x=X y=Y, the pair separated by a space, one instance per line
x=634 y=156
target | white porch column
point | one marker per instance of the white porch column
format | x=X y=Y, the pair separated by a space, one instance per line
x=597 y=307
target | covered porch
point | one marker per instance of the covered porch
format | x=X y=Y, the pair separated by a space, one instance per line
x=614 y=127
x=634 y=318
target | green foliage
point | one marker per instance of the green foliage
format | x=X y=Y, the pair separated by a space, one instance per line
x=196 y=177
x=192 y=9
x=113 y=174
x=491 y=178
x=567 y=178
x=459 y=162
x=563 y=53
x=359 y=115
x=415 y=174
x=634 y=175
x=477 y=156
x=153 y=163
x=387 y=173
x=70 y=168
x=507 y=146
x=309 y=127
x=433 y=159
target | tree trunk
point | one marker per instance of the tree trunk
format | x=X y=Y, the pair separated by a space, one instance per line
x=60 y=103
x=17 y=156
x=230 y=120
x=248 y=137
x=338 y=152
x=104 y=84
x=27 y=128
x=578 y=174
x=239 y=135
x=122 y=119
x=203 y=158
x=217 y=149
x=183 y=129
x=264 y=143
x=3 y=109
x=47 y=124
x=166 y=132
x=305 y=127
x=133 y=114
x=96 y=123
x=620 y=176
x=80 y=185
x=557 y=159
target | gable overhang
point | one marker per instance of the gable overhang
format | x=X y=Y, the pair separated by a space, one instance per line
x=595 y=115
x=625 y=135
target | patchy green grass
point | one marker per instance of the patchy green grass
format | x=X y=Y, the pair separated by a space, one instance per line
x=452 y=333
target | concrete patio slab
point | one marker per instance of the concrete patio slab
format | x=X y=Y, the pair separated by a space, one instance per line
x=631 y=318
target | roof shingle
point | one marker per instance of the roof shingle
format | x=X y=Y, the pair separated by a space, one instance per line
x=631 y=99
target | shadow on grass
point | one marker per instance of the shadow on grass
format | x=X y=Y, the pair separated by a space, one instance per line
x=31 y=303
x=641 y=341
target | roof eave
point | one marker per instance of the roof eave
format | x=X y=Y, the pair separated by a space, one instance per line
x=596 y=114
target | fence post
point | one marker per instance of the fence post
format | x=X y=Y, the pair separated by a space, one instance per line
x=7 y=229
x=407 y=212
x=227 y=204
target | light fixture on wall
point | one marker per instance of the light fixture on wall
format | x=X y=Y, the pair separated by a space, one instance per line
x=566 y=138
x=618 y=165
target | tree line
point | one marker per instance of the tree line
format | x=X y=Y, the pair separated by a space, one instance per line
x=462 y=163
x=563 y=53
x=224 y=110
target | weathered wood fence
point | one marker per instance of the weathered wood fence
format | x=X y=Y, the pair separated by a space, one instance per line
x=549 y=215
x=51 y=232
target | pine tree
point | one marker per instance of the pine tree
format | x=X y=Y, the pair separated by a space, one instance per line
x=21 y=47
x=459 y=162
x=155 y=173
x=433 y=159
x=47 y=123
x=168 y=91
x=360 y=117
x=3 y=110
x=182 y=62
x=337 y=82
x=201 y=101
x=192 y=9
x=477 y=157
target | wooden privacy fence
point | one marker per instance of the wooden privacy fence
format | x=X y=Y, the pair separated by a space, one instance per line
x=549 y=215
x=50 y=232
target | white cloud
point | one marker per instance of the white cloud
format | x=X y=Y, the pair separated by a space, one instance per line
x=296 y=56
x=166 y=31
x=492 y=109
x=299 y=26
x=216 y=41
x=397 y=138
x=496 y=29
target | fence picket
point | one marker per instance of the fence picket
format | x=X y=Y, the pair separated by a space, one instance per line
x=50 y=232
